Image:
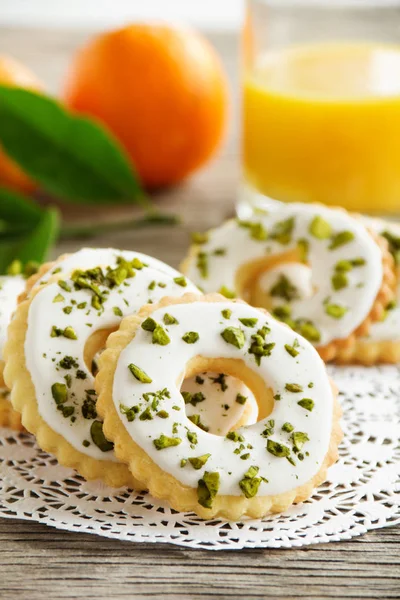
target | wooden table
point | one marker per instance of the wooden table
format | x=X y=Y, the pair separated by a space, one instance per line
x=37 y=562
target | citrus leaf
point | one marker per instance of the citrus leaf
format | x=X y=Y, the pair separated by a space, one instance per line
x=18 y=210
x=32 y=246
x=71 y=157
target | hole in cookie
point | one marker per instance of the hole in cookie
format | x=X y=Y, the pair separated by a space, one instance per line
x=224 y=383
x=272 y=281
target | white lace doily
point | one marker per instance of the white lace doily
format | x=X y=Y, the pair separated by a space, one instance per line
x=362 y=493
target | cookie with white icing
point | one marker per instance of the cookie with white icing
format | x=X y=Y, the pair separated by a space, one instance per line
x=382 y=344
x=10 y=288
x=53 y=338
x=257 y=469
x=341 y=273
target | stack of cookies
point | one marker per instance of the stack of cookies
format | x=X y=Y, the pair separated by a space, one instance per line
x=139 y=375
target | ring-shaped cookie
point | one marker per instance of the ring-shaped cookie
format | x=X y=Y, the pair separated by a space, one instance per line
x=52 y=340
x=352 y=277
x=260 y=468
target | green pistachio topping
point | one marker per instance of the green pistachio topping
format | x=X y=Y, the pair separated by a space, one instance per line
x=199 y=461
x=59 y=393
x=166 y=442
x=335 y=310
x=282 y=312
x=64 y=285
x=220 y=380
x=320 y=228
x=163 y=414
x=98 y=437
x=277 y=449
x=224 y=291
x=306 y=403
x=192 y=437
x=152 y=285
x=149 y=324
x=139 y=374
x=283 y=288
x=234 y=336
x=340 y=239
x=202 y=264
x=234 y=436
x=181 y=281
x=249 y=322
x=146 y=415
x=169 y=319
x=303 y=247
x=258 y=232
x=308 y=330
x=199 y=380
x=394 y=245
x=59 y=298
x=67 y=310
x=282 y=231
x=191 y=337
x=287 y=427
x=292 y=350
x=226 y=313
x=207 y=488
x=130 y=413
x=295 y=388
x=250 y=482
x=240 y=399
x=117 y=311
x=69 y=333
x=197 y=421
x=160 y=336
x=339 y=281
x=199 y=238
x=299 y=439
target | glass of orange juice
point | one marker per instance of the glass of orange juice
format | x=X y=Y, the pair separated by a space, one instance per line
x=321 y=104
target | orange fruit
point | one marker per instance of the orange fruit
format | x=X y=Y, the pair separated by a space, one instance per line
x=15 y=74
x=160 y=89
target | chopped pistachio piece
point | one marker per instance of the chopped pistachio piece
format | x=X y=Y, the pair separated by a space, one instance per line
x=59 y=393
x=277 y=449
x=181 y=281
x=202 y=264
x=139 y=374
x=166 y=442
x=224 y=291
x=339 y=281
x=335 y=310
x=303 y=246
x=287 y=427
x=191 y=337
x=160 y=336
x=282 y=231
x=249 y=322
x=250 y=482
x=292 y=350
x=340 y=239
x=308 y=330
x=240 y=399
x=207 y=488
x=234 y=336
x=226 y=313
x=149 y=324
x=234 y=436
x=59 y=298
x=192 y=437
x=69 y=333
x=199 y=238
x=320 y=228
x=197 y=421
x=169 y=319
x=283 y=288
x=295 y=388
x=306 y=403
x=98 y=437
x=117 y=311
x=199 y=461
x=299 y=439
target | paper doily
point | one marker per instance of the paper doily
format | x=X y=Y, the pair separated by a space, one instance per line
x=362 y=493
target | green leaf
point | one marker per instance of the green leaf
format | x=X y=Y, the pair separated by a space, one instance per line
x=34 y=246
x=17 y=209
x=70 y=156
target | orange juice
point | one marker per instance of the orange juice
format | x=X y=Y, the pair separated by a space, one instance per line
x=322 y=124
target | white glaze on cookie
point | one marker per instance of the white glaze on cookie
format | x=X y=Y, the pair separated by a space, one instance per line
x=165 y=366
x=55 y=306
x=236 y=244
x=217 y=399
x=88 y=258
x=10 y=288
